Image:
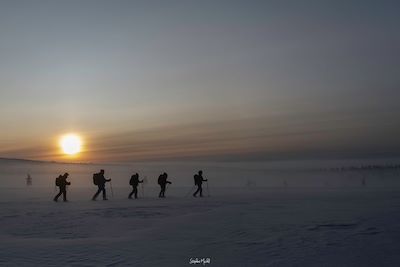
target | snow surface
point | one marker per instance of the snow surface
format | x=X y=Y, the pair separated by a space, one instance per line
x=252 y=226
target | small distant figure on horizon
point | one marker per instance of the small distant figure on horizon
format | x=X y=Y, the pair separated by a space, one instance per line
x=28 y=180
x=61 y=182
x=100 y=181
x=162 y=181
x=250 y=183
x=363 y=181
x=134 y=182
x=198 y=180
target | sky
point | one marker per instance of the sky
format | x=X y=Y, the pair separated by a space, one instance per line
x=200 y=80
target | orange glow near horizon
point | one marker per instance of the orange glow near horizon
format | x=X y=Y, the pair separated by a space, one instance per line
x=71 y=144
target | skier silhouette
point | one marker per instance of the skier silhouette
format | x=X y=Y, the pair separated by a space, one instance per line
x=162 y=181
x=100 y=181
x=29 y=180
x=61 y=182
x=134 y=182
x=198 y=180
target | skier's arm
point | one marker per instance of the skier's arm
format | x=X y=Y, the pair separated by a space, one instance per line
x=141 y=181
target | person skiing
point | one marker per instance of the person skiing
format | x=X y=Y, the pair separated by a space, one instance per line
x=198 y=180
x=100 y=181
x=162 y=181
x=61 y=182
x=134 y=182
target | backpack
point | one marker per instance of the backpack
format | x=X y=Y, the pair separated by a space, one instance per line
x=58 y=181
x=131 y=181
x=96 y=179
x=197 y=179
x=160 y=179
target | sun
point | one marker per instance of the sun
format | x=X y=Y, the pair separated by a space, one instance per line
x=71 y=144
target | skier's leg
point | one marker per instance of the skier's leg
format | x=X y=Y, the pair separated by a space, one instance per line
x=58 y=195
x=197 y=191
x=104 y=193
x=65 y=194
x=133 y=191
x=97 y=193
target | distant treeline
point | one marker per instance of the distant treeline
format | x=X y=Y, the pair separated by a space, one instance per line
x=367 y=168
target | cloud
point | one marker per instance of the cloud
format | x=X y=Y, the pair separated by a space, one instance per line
x=305 y=135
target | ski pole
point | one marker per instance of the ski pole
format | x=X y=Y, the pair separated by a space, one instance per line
x=112 y=191
x=167 y=187
x=144 y=181
x=67 y=190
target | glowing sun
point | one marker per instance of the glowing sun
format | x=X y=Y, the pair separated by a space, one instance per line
x=71 y=144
